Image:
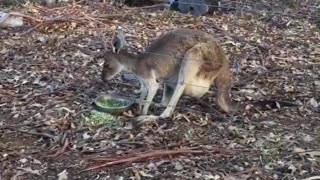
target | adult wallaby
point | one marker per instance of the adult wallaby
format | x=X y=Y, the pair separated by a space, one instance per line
x=187 y=61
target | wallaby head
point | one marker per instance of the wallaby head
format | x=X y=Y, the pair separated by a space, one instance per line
x=114 y=58
x=111 y=66
x=114 y=63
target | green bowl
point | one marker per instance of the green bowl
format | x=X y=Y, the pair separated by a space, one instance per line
x=112 y=104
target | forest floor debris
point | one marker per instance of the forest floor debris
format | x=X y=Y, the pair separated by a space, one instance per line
x=48 y=82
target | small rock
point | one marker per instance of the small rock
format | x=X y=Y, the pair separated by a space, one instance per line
x=86 y=136
x=63 y=175
x=178 y=166
x=42 y=39
x=24 y=160
x=36 y=161
x=152 y=166
x=313 y=102
x=307 y=138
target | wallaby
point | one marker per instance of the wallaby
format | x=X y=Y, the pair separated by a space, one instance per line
x=187 y=61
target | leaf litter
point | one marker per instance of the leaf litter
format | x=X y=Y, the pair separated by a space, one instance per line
x=49 y=79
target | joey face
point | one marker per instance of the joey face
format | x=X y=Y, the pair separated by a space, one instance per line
x=111 y=68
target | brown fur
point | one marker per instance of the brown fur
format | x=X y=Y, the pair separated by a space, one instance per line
x=188 y=61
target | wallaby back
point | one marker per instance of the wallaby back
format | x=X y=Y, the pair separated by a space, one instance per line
x=165 y=54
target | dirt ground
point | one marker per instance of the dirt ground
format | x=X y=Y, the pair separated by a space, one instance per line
x=49 y=80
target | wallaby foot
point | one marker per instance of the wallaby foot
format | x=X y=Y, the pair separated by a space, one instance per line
x=146 y=118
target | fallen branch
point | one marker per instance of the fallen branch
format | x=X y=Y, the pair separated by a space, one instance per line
x=147 y=155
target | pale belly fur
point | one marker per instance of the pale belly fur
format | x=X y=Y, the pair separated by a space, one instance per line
x=197 y=87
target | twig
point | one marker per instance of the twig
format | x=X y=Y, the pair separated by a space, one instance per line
x=143 y=156
x=60 y=151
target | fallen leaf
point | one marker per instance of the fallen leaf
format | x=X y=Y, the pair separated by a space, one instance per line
x=63 y=175
x=24 y=160
x=31 y=171
x=178 y=166
x=142 y=173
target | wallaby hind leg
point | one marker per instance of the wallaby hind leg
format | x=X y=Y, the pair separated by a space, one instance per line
x=223 y=83
x=143 y=94
x=167 y=94
x=174 y=99
x=188 y=71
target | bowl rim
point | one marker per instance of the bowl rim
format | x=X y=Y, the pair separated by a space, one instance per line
x=113 y=96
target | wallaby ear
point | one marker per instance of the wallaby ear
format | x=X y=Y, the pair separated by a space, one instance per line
x=114 y=41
